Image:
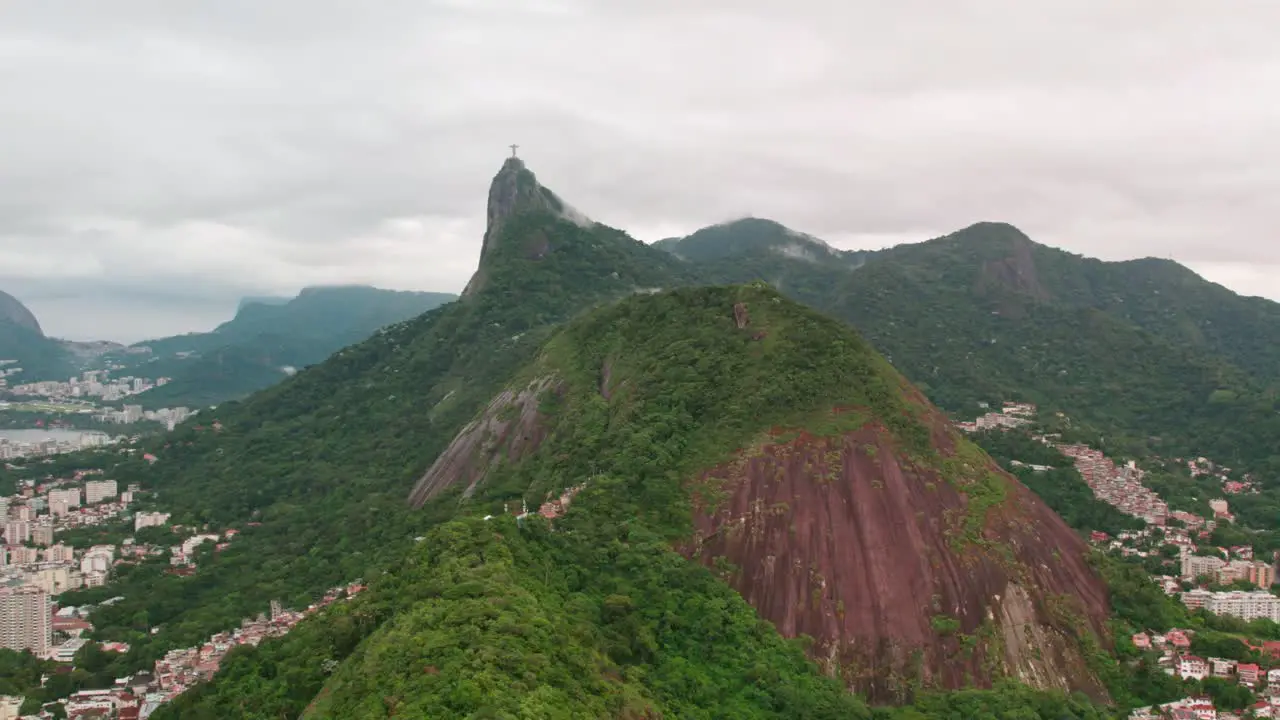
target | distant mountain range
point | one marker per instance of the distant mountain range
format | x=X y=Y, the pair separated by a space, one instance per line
x=34 y=356
x=267 y=340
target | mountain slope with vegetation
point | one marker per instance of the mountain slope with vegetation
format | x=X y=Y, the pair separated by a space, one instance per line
x=601 y=610
x=600 y=616
x=802 y=266
x=323 y=461
x=268 y=340
x=22 y=340
x=1145 y=353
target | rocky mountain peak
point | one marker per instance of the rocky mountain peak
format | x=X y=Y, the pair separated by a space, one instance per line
x=515 y=190
x=14 y=312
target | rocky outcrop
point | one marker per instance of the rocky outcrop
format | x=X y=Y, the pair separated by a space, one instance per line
x=515 y=190
x=510 y=428
x=902 y=579
x=1013 y=278
x=12 y=311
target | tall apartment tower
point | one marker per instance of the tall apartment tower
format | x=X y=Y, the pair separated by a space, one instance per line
x=17 y=532
x=1262 y=574
x=26 y=621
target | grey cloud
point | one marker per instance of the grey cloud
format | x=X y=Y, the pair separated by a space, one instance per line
x=207 y=150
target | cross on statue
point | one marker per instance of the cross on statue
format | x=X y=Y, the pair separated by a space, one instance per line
x=513 y=149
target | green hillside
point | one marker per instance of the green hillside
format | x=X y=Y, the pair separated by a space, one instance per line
x=324 y=460
x=40 y=358
x=22 y=340
x=1143 y=352
x=600 y=614
x=267 y=340
x=750 y=237
x=601 y=618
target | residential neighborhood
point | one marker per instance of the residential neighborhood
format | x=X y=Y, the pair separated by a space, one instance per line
x=1199 y=565
x=36 y=567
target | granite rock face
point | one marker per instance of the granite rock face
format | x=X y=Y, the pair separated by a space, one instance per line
x=844 y=540
x=510 y=428
x=514 y=190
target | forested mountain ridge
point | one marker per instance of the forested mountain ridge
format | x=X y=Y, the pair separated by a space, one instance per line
x=753 y=236
x=322 y=464
x=819 y=484
x=1144 y=352
x=1158 y=295
x=324 y=460
x=267 y=340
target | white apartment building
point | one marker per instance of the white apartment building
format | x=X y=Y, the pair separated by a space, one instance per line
x=190 y=544
x=1237 y=603
x=149 y=519
x=1196 y=599
x=95 y=491
x=1194 y=566
x=71 y=496
x=60 y=554
x=97 y=559
x=1192 y=667
x=55 y=579
x=20 y=555
x=10 y=705
x=25 y=619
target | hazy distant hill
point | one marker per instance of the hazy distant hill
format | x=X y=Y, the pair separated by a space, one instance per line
x=266 y=341
x=21 y=339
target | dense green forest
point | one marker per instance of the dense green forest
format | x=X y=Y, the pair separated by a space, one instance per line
x=1146 y=353
x=315 y=470
x=598 y=616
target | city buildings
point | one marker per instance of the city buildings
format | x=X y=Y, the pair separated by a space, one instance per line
x=70 y=497
x=17 y=532
x=95 y=491
x=42 y=533
x=1236 y=603
x=1225 y=572
x=10 y=707
x=149 y=519
x=25 y=619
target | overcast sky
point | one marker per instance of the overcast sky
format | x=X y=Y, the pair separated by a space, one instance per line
x=160 y=159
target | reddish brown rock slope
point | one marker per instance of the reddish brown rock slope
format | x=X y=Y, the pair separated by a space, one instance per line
x=841 y=539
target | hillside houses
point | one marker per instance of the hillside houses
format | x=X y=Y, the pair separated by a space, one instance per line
x=1118 y=486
